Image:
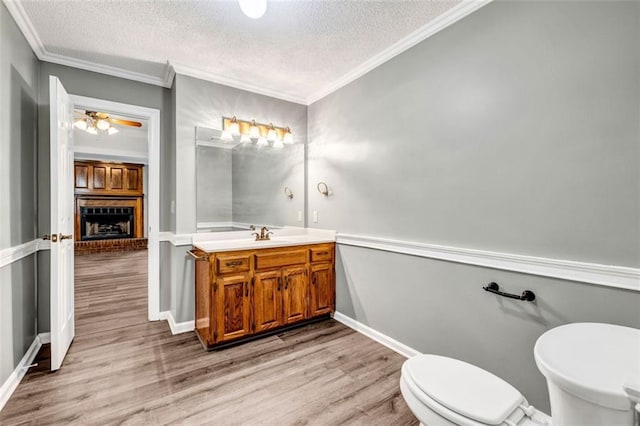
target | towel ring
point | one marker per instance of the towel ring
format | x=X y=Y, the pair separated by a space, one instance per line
x=323 y=189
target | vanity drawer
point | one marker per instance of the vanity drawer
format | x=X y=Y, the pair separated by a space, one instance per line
x=232 y=263
x=280 y=258
x=322 y=254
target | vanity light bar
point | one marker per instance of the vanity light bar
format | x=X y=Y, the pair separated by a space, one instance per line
x=228 y=124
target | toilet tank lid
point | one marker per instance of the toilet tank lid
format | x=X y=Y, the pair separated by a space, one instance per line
x=592 y=361
x=464 y=388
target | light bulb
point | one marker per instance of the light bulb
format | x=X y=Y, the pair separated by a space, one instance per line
x=226 y=136
x=254 y=131
x=92 y=130
x=288 y=137
x=234 y=127
x=278 y=144
x=262 y=141
x=271 y=134
x=102 y=124
x=253 y=8
x=80 y=124
x=245 y=139
x=112 y=130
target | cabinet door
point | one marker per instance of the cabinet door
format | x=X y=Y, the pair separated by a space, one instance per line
x=267 y=300
x=233 y=308
x=295 y=294
x=321 y=290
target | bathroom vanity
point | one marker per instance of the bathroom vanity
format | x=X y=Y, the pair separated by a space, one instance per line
x=246 y=288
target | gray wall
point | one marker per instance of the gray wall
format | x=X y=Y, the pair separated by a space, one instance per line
x=85 y=83
x=18 y=132
x=514 y=130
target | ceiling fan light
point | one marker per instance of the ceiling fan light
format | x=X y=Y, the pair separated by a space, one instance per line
x=288 y=137
x=92 y=130
x=103 y=124
x=253 y=8
x=226 y=136
x=112 y=130
x=271 y=134
x=254 y=131
x=80 y=124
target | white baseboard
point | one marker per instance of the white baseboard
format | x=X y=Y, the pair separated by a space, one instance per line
x=176 y=327
x=12 y=382
x=383 y=339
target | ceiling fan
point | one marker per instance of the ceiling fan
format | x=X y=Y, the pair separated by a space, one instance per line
x=92 y=121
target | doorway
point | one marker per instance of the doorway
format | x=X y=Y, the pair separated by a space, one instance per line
x=151 y=119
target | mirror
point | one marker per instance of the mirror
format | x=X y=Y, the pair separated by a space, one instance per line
x=241 y=184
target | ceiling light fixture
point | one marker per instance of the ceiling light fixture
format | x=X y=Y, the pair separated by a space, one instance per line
x=253 y=8
x=250 y=131
x=81 y=124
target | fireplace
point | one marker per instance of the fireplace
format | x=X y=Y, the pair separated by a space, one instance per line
x=109 y=207
x=105 y=223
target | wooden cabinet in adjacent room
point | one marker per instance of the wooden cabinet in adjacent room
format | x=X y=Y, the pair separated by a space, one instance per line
x=240 y=294
x=99 y=178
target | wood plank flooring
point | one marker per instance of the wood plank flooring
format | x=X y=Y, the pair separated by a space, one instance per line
x=122 y=369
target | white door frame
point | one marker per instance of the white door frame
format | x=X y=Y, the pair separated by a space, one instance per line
x=152 y=116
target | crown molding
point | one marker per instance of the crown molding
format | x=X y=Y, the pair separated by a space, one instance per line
x=106 y=69
x=432 y=27
x=238 y=84
x=24 y=23
x=441 y=22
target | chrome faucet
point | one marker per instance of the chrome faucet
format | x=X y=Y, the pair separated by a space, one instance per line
x=263 y=235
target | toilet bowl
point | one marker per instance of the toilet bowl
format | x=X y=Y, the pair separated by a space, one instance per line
x=587 y=367
x=445 y=391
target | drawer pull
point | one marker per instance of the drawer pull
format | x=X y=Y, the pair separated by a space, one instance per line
x=235 y=263
x=322 y=253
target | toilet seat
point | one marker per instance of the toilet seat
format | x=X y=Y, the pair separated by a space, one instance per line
x=462 y=393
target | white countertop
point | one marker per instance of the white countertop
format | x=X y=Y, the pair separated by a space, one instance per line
x=243 y=240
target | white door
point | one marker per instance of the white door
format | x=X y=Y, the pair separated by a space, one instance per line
x=62 y=222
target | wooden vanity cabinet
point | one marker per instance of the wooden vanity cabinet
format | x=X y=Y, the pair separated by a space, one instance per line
x=240 y=294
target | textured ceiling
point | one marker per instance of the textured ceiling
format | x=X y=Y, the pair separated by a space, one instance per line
x=297 y=48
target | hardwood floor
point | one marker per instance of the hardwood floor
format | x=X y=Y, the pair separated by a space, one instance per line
x=122 y=369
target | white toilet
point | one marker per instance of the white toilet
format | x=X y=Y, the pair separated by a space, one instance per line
x=586 y=366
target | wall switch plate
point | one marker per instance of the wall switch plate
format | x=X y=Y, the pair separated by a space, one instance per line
x=315 y=216
x=299 y=215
